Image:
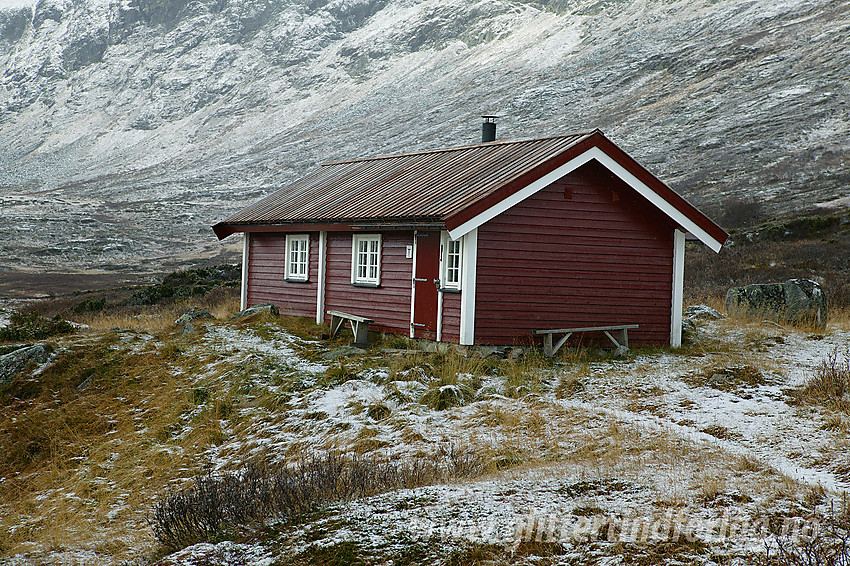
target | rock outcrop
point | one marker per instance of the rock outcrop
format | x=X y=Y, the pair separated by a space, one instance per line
x=256 y=309
x=796 y=301
x=15 y=361
x=702 y=312
x=193 y=315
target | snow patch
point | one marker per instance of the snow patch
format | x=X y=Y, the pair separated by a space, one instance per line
x=226 y=553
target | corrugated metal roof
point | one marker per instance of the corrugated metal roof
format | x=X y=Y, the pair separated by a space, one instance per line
x=432 y=184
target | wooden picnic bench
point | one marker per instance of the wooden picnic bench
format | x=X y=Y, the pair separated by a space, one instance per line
x=549 y=349
x=359 y=326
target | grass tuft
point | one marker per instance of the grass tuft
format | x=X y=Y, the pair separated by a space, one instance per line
x=339 y=373
x=448 y=392
x=830 y=384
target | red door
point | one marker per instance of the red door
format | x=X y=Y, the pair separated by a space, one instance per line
x=425 y=283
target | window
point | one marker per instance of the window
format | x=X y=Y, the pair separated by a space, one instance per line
x=297 y=251
x=366 y=259
x=451 y=254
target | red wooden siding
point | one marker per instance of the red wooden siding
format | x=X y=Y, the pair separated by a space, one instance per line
x=266 y=284
x=584 y=251
x=451 y=317
x=389 y=304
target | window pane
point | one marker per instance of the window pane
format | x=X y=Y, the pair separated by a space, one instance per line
x=452 y=263
x=293 y=257
x=366 y=265
x=297 y=252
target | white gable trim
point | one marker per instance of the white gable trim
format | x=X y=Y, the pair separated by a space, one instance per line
x=570 y=166
x=469 y=268
x=678 y=288
x=246 y=247
x=320 y=291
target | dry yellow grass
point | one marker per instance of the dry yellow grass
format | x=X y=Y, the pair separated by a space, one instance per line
x=839 y=319
x=159 y=318
x=98 y=456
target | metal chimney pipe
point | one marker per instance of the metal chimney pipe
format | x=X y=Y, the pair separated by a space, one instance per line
x=488 y=129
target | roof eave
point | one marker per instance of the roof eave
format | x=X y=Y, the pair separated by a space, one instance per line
x=225 y=229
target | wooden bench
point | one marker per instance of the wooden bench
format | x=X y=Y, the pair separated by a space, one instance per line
x=359 y=326
x=549 y=350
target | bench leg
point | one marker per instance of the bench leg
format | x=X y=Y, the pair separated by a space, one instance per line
x=612 y=339
x=548 y=351
x=560 y=343
x=336 y=323
x=361 y=334
x=624 y=339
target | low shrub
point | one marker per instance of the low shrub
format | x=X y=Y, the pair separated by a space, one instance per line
x=738 y=212
x=215 y=505
x=819 y=541
x=31 y=325
x=188 y=283
x=89 y=305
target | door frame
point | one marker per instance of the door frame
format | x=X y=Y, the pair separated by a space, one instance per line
x=413 y=285
x=437 y=330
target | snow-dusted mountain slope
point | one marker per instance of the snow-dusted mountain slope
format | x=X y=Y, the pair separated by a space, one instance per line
x=127 y=127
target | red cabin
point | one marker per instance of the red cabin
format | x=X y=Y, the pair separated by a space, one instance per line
x=478 y=244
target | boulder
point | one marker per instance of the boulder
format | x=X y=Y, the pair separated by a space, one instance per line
x=194 y=314
x=265 y=307
x=689 y=331
x=15 y=361
x=703 y=312
x=796 y=301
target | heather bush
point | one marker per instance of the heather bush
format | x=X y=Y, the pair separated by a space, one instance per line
x=825 y=541
x=216 y=504
x=189 y=283
x=31 y=325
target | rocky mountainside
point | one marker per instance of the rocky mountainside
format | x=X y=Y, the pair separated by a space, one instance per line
x=128 y=127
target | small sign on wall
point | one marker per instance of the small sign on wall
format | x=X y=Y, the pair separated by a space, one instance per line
x=408 y=252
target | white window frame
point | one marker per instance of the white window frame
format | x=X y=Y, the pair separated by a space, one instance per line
x=445 y=266
x=292 y=271
x=371 y=277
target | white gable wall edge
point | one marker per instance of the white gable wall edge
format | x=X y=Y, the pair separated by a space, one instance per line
x=612 y=165
x=246 y=247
